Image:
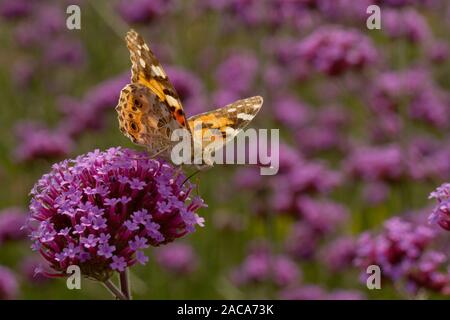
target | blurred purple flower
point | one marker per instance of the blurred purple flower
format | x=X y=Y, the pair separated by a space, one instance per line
x=318 y=138
x=87 y=212
x=36 y=142
x=432 y=107
x=11 y=222
x=428 y=158
x=9 y=288
x=15 y=9
x=385 y=127
x=237 y=73
x=412 y=90
x=324 y=216
x=344 y=10
x=338 y=255
x=398 y=250
x=375 y=192
x=333 y=50
x=291 y=112
x=88 y=113
x=178 y=258
x=142 y=11
x=312 y=177
x=441 y=212
x=23 y=73
x=261 y=265
x=64 y=52
x=28 y=268
x=222 y=97
x=376 y=163
x=408 y=24
x=303 y=241
x=439 y=51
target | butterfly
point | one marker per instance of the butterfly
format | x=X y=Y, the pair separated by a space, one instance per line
x=150 y=110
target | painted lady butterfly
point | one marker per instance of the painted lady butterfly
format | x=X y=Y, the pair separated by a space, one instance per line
x=149 y=109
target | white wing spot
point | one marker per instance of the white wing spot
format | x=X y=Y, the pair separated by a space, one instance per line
x=142 y=62
x=146 y=47
x=245 y=116
x=230 y=131
x=157 y=70
x=172 y=101
x=232 y=110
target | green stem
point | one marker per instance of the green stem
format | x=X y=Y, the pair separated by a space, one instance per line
x=125 y=284
x=114 y=290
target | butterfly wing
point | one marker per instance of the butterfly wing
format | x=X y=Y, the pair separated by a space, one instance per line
x=145 y=118
x=228 y=120
x=146 y=70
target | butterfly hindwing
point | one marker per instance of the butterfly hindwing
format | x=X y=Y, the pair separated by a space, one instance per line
x=228 y=120
x=147 y=70
x=145 y=119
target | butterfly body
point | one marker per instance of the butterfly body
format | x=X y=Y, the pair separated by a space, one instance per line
x=149 y=109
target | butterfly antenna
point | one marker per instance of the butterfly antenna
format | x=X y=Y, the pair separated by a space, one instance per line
x=159 y=152
x=190 y=176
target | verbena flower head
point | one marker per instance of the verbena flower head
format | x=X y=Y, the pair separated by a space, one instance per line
x=402 y=252
x=9 y=287
x=441 y=212
x=100 y=210
x=37 y=141
x=262 y=266
x=142 y=11
x=11 y=223
x=339 y=254
x=333 y=50
x=407 y=24
x=376 y=163
x=178 y=258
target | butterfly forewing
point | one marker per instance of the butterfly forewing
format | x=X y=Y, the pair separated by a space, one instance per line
x=147 y=70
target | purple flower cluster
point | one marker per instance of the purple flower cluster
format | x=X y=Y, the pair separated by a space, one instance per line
x=376 y=163
x=401 y=250
x=407 y=24
x=334 y=50
x=15 y=9
x=178 y=258
x=262 y=266
x=37 y=142
x=235 y=75
x=317 y=220
x=339 y=254
x=142 y=11
x=88 y=113
x=11 y=222
x=41 y=35
x=410 y=92
x=441 y=212
x=9 y=287
x=101 y=210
